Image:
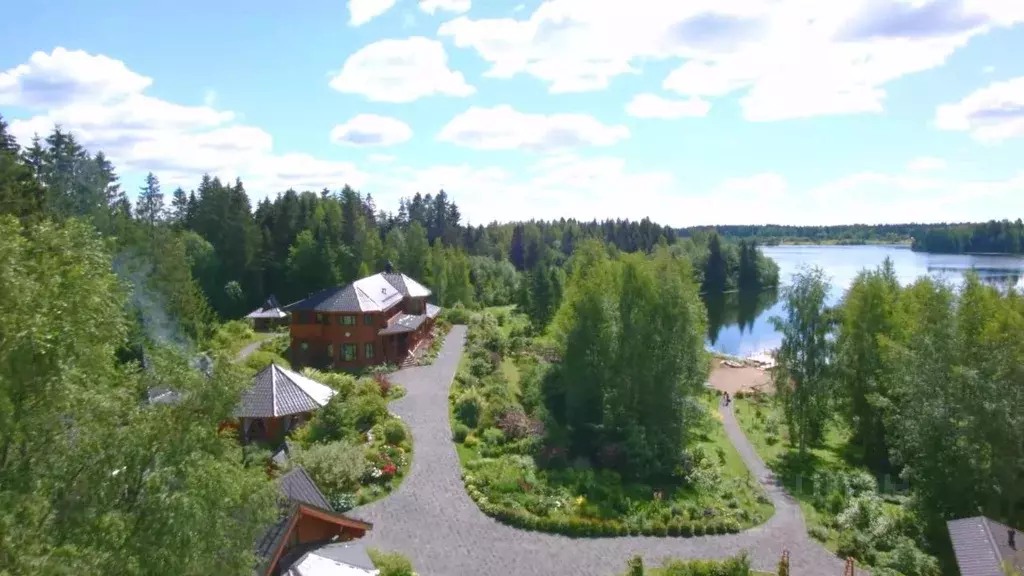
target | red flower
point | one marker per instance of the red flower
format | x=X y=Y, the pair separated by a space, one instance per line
x=389 y=469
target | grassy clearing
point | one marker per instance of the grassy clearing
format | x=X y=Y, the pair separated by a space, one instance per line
x=841 y=502
x=762 y=423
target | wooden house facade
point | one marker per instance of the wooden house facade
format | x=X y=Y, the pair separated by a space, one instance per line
x=380 y=319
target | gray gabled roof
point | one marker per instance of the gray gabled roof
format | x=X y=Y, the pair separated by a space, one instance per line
x=297 y=488
x=277 y=391
x=371 y=294
x=404 y=323
x=981 y=546
x=270 y=309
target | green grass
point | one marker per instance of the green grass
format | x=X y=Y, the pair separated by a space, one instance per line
x=829 y=456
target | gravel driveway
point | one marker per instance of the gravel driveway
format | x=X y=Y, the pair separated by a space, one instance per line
x=432 y=520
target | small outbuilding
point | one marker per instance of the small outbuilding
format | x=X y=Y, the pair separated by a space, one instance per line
x=268 y=316
x=279 y=400
x=308 y=523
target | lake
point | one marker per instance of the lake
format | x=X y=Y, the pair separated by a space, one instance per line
x=739 y=324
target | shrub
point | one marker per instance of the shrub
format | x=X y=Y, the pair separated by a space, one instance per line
x=735 y=566
x=494 y=436
x=470 y=442
x=459 y=432
x=383 y=383
x=254 y=455
x=366 y=410
x=260 y=359
x=335 y=467
x=457 y=314
x=343 y=502
x=394 y=432
x=819 y=533
x=390 y=564
x=855 y=544
x=468 y=408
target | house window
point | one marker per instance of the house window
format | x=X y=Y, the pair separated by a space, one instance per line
x=368 y=319
x=347 y=320
x=330 y=351
x=368 y=351
x=348 y=352
x=323 y=319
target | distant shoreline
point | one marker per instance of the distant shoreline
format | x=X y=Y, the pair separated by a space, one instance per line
x=810 y=242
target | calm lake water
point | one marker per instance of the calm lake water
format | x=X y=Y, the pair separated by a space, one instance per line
x=739 y=325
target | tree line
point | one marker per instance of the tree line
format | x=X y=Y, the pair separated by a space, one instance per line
x=928 y=378
x=994 y=237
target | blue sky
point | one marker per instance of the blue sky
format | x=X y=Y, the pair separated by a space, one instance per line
x=738 y=111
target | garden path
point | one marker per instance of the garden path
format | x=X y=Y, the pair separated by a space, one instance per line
x=432 y=520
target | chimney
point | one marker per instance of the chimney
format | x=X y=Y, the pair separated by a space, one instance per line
x=387 y=267
x=1011 y=535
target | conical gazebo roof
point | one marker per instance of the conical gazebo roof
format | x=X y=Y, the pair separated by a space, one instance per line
x=277 y=391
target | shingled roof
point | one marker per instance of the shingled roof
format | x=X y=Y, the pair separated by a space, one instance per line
x=270 y=309
x=371 y=294
x=298 y=490
x=277 y=391
x=982 y=546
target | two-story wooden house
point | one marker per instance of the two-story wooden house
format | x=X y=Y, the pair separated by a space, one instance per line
x=380 y=319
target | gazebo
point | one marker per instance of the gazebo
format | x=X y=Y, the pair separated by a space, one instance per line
x=278 y=401
x=268 y=316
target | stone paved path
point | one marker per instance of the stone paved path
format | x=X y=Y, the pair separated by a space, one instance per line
x=252 y=347
x=432 y=520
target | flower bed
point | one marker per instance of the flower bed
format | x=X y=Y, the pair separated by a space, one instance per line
x=516 y=475
x=353 y=448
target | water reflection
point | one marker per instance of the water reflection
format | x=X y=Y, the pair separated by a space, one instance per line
x=738 y=310
x=740 y=324
x=999 y=277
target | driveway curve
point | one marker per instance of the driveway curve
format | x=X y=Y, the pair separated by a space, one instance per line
x=432 y=520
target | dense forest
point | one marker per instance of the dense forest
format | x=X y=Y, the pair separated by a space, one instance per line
x=300 y=242
x=995 y=237
x=772 y=234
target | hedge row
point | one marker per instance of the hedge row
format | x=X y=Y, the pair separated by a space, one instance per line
x=591 y=528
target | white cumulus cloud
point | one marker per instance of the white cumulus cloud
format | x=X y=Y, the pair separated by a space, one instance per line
x=504 y=128
x=455 y=6
x=401 y=71
x=787 y=58
x=990 y=114
x=68 y=76
x=371 y=130
x=654 y=106
x=103 y=103
x=362 y=11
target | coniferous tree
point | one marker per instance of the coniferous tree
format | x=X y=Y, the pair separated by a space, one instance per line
x=150 y=205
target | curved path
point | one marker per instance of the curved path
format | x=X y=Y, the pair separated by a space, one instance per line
x=432 y=520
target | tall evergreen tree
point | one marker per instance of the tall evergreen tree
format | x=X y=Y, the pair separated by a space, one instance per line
x=150 y=205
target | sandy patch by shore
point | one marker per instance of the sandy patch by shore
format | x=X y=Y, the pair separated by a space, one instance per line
x=732 y=380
